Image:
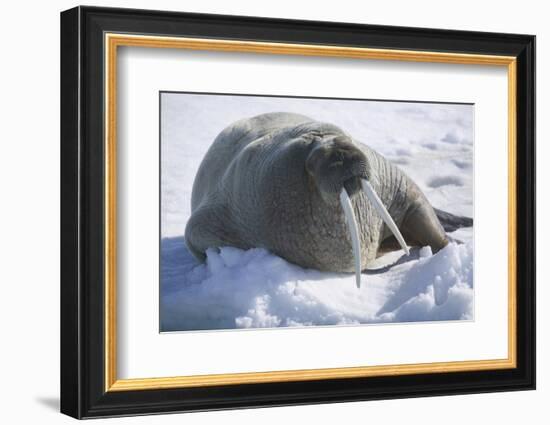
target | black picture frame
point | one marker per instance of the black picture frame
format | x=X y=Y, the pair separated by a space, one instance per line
x=83 y=392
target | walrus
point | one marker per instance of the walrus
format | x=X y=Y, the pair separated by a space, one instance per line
x=309 y=193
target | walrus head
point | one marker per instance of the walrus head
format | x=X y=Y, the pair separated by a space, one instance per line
x=335 y=162
x=341 y=170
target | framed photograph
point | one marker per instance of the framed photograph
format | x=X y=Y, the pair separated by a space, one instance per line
x=261 y=212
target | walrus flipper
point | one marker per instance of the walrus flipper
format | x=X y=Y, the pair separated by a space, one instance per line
x=427 y=231
x=421 y=227
x=451 y=222
x=210 y=227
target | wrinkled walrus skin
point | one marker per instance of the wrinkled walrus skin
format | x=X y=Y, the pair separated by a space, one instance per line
x=272 y=181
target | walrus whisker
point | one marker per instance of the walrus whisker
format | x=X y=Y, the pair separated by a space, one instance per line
x=381 y=209
x=354 y=233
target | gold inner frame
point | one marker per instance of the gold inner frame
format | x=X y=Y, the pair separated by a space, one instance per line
x=113 y=41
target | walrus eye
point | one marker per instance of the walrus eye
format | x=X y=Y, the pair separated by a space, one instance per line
x=354 y=233
x=381 y=209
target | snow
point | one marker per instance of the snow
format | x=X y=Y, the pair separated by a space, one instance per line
x=432 y=143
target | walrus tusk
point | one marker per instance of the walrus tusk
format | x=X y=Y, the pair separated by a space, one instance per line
x=352 y=226
x=381 y=209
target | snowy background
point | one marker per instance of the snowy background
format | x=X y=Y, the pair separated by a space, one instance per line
x=432 y=143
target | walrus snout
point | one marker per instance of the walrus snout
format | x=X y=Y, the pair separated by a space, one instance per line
x=334 y=163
